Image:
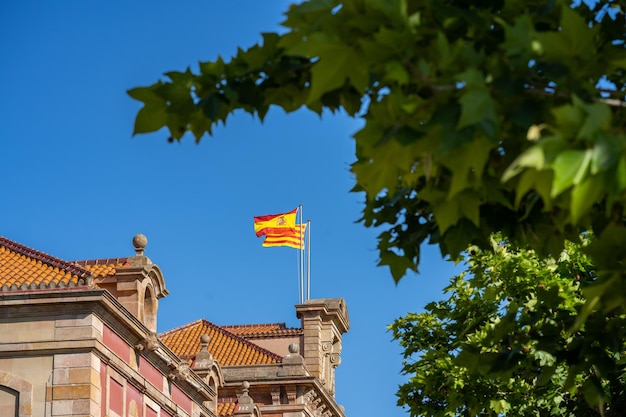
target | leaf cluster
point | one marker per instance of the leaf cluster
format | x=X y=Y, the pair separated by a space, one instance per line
x=504 y=341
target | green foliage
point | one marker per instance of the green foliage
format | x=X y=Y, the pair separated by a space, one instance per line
x=504 y=341
x=479 y=117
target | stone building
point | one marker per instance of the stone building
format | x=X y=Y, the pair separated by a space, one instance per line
x=79 y=339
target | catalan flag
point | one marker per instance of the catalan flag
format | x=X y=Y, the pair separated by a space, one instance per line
x=292 y=237
x=275 y=223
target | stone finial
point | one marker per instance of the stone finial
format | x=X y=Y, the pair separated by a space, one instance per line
x=246 y=408
x=204 y=359
x=139 y=242
x=293 y=363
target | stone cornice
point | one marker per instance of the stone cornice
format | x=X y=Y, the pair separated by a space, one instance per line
x=317 y=398
x=332 y=309
x=48 y=304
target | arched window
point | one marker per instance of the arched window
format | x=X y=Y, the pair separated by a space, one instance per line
x=149 y=308
x=16 y=396
x=213 y=404
x=9 y=402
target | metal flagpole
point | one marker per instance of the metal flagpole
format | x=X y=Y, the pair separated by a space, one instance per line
x=308 y=259
x=300 y=266
x=299 y=280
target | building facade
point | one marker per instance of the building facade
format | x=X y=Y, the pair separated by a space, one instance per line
x=79 y=339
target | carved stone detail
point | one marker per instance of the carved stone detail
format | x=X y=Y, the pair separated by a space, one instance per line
x=291 y=394
x=181 y=372
x=275 y=391
x=151 y=343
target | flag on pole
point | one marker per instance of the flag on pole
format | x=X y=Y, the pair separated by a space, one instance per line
x=275 y=223
x=292 y=237
x=280 y=229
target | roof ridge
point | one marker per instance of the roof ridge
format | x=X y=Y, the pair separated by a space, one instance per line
x=245 y=341
x=176 y=329
x=101 y=261
x=227 y=333
x=282 y=325
x=44 y=257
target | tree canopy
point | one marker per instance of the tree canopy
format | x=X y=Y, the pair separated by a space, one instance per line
x=479 y=117
x=500 y=342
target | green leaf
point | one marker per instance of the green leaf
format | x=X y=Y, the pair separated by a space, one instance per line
x=585 y=195
x=396 y=72
x=337 y=63
x=476 y=106
x=606 y=152
x=598 y=118
x=539 y=181
x=570 y=168
x=519 y=37
x=150 y=118
x=463 y=205
x=499 y=406
x=398 y=264
x=580 y=37
x=466 y=162
x=476 y=102
x=531 y=158
x=147 y=95
x=593 y=392
x=568 y=119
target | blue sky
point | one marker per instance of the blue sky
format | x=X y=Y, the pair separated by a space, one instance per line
x=77 y=185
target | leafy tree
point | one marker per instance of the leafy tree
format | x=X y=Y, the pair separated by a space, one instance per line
x=500 y=342
x=479 y=117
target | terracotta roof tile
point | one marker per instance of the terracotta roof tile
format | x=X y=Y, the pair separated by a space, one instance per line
x=24 y=268
x=226 y=409
x=263 y=330
x=226 y=347
x=101 y=268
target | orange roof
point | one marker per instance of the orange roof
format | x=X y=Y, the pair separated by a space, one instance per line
x=226 y=408
x=226 y=347
x=101 y=268
x=24 y=268
x=263 y=330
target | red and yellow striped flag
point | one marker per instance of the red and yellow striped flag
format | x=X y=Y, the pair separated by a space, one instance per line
x=274 y=223
x=292 y=237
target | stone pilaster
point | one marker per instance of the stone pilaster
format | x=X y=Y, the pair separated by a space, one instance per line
x=324 y=321
x=75 y=388
x=140 y=285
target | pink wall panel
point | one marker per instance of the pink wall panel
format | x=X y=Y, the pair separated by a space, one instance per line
x=151 y=373
x=116 y=344
x=181 y=399
x=116 y=397
x=150 y=412
x=134 y=402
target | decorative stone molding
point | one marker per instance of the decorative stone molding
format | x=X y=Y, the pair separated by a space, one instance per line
x=24 y=390
x=151 y=343
x=275 y=393
x=246 y=407
x=204 y=359
x=182 y=372
x=291 y=394
x=323 y=322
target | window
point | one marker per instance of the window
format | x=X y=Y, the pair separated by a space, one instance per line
x=9 y=402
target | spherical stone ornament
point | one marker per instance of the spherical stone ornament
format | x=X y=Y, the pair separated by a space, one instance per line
x=140 y=241
x=205 y=339
x=293 y=348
